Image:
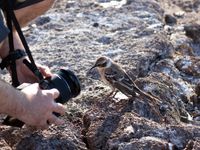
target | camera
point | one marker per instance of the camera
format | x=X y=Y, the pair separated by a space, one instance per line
x=65 y=81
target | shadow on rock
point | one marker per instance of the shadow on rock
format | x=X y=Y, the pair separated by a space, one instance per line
x=98 y=138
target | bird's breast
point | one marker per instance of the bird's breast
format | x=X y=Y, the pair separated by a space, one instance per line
x=102 y=75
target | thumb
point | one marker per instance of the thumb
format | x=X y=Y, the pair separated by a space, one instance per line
x=55 y=93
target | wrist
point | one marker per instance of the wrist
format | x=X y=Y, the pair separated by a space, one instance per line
x=11 y=103
x=17 y=107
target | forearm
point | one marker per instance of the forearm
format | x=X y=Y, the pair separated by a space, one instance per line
x=24 y=16
x=10 y=100
x=27 y=14
x=4 y=48
x=31 y=105
x=24 y=73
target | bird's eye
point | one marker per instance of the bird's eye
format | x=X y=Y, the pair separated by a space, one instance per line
x=103 y=64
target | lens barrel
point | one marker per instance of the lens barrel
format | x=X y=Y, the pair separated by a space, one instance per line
x=66 y=82
x=72 y=81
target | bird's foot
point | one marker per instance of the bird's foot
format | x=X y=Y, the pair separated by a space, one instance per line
x=111 y=94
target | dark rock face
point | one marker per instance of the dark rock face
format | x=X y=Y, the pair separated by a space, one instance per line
x=156 y=51
x=193 y=31
x=53 y=138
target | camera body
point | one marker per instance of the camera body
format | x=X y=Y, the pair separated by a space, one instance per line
x=65 y=81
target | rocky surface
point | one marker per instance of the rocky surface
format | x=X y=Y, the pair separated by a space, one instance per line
x=156 y=42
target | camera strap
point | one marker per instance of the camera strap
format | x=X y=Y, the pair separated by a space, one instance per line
x=15 y=81
x=16 y=54
x=10 y=60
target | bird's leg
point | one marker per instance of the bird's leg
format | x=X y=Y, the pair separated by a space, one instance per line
x=111 y=93
x=115 y=92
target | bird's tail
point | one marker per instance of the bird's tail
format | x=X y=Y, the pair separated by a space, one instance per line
x=144 y=94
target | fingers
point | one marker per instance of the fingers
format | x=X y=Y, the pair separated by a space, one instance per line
x=55 y=120
x=59 y=108
x=53 y=93
x=44 y=70
x=52 y=118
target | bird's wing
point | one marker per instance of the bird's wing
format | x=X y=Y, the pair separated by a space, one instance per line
x=118 y=78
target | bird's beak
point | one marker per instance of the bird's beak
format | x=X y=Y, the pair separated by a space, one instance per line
x=93 y=67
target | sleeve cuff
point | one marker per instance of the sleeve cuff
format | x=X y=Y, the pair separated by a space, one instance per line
x=3 y=31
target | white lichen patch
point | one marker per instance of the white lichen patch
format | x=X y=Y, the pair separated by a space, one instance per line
x=113 y=4
x=185 y=87
x=119 y=96
x=129 y=130
x=186 y=64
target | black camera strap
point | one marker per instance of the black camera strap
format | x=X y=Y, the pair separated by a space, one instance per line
x=15 y=81
x=12 y=21
x=10 y=60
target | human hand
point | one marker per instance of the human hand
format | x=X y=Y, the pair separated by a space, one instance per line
x=38 y=106
x=25 y=75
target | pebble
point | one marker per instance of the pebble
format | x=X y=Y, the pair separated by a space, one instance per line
x=168 y=28
x=169 y=19
x=104 y=40
x=95 y=24
x=179 y=14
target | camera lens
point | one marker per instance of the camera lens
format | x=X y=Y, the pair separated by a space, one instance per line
x=72 y=81
x=66 y=82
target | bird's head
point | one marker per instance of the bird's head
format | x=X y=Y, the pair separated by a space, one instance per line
x=102 y=62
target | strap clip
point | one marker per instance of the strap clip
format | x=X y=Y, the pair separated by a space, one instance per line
x=12 y=57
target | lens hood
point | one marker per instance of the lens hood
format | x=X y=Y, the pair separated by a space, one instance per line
x=72 y=81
